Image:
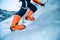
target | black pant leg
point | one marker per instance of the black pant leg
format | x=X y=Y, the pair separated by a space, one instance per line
x=32 y=7
x=21 y=12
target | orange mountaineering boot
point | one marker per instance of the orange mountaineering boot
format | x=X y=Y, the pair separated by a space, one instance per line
x=39 y=2
x=18 y=27
x=14 y=24
x=29 y=15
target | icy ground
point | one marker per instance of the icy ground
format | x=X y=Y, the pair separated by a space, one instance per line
x=45 y=27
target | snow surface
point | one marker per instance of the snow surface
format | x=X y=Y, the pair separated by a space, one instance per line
x=45 y=27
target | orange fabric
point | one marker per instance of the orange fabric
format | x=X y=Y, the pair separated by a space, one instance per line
x=37 y=1
x=28 y=16
x=16 y=19
x=30 y=12
x=14 y=25
x=18 y=27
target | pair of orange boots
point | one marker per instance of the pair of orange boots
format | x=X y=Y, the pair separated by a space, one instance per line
x=17 y=18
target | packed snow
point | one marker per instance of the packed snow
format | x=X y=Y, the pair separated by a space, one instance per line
x=45 y=27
